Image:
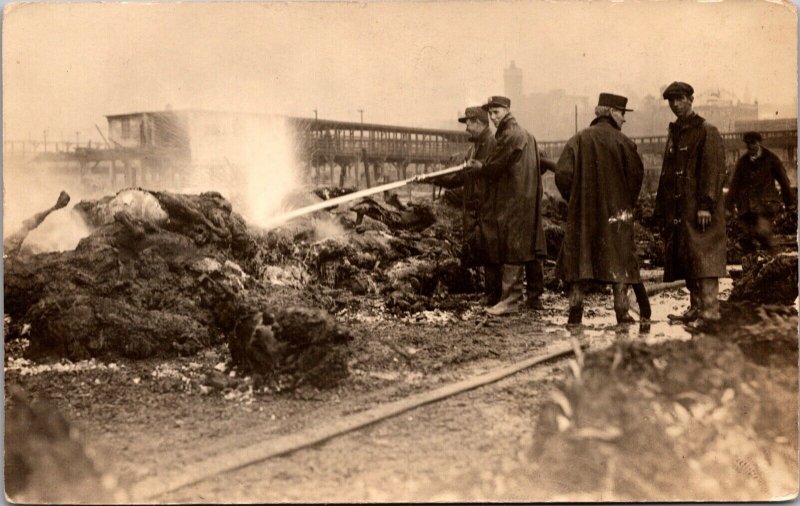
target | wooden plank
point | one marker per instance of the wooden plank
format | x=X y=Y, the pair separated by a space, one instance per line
x=151 y=488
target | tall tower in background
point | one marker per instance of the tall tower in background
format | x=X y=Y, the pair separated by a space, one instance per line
x=512 y=80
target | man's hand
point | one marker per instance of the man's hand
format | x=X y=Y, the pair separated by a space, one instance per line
x=421 y=179
x=474 y=164
x=703 y=219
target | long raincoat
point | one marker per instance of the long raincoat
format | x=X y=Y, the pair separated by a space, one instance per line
x=600 y=175
x=515 y=233
x=478 y=220
x=691 y=180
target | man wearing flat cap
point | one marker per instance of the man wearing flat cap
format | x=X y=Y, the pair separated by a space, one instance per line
x=691 y=208
x=477 y=203
x=513 y=170
x=752 y=192
x=600 y=175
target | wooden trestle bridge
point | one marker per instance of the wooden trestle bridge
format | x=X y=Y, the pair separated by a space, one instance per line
x=159 y=148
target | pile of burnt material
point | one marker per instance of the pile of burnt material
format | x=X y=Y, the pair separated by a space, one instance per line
x=409 y=255
x=717 y=417
x=767 y=278
x=649 y=243
x=159 y=275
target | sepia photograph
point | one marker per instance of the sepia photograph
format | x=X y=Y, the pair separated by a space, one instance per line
x=400 y=251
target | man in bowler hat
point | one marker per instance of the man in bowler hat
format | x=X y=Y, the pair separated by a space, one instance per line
x=600 y=175
x=691 y=208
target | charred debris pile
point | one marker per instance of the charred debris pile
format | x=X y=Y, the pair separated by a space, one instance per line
x=163 y=274
x=160 y=275
x=711 y=411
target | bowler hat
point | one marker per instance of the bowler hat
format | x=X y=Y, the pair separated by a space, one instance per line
x=474 y=113
x=615 y=101
x=678 y=88
x=751 y=137
x=496 y=102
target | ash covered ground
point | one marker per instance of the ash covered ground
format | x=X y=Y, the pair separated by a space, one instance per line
x=175 y=331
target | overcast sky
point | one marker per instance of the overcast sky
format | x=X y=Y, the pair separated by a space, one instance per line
x=67 y=65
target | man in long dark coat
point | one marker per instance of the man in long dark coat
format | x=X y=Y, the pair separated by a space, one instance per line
x=513 y=171
x=600 y=175
x=690 y=206
x=478 y=203
x=752 y=191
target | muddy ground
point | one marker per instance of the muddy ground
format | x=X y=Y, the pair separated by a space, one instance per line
x=403 y=316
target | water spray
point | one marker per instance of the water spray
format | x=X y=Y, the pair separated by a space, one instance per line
x=283 y=218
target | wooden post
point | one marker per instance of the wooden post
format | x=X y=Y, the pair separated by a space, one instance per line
x=367 y=175
x=111 y=174
x=343 y=173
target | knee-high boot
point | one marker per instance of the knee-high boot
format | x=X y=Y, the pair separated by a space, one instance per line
x=511 y=298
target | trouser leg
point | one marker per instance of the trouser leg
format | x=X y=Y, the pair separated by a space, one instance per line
x=621 y=302
x=762 y=231
x=576 y=294
x=708 y=290
x=694 y=294
x=493 y=283
x=750 y=236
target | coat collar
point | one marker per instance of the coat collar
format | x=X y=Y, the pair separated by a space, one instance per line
x=605 y=120
x=684 y=123
x=505 y=123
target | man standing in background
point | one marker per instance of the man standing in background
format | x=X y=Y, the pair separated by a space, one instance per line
x=753 y=192
x=600 y=175
x=690 y=206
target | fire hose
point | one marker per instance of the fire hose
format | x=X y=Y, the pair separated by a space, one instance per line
x=296 y=213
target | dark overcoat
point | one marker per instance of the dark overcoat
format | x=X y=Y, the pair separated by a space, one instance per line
x=516 y=234
x=752 y=188
x=600 y=175
x=478 y=201
x=692 y=177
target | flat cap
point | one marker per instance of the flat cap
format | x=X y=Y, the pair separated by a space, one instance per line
x=678 y=88
x=751 y=137
x=474 y=113
x=496 y=102
x=615 y=101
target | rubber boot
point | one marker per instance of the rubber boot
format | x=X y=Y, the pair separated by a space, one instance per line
x=693 y=312
x=709 y=293
x=575 y=315
x=534 y=284
x=621 y=303
x=511 y=300
x=643 y=301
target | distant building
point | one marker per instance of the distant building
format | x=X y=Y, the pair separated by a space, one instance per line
x=552 y=116
x=548 y=116
x=722 y=109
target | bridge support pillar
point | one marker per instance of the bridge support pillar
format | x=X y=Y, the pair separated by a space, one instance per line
x=365 y=161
